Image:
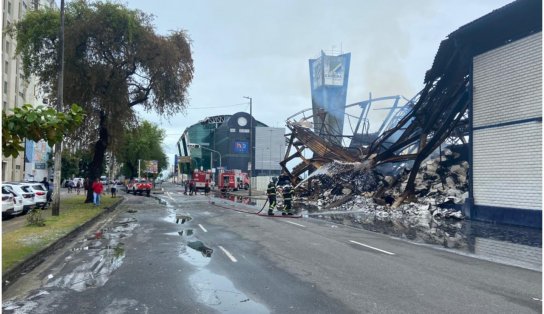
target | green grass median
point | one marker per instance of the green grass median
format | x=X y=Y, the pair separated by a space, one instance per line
x=19 y=244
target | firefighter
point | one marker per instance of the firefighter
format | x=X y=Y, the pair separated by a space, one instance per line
x=271 y=192
x=287 y=198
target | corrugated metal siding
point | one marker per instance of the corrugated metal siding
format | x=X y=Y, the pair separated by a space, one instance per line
x=507 y=160
x=508 y=166
x=508 y=82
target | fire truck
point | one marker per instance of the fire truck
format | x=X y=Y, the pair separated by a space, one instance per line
x=200 y=178
x=233 y=180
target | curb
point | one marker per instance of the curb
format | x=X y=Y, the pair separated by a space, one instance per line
x=11 y=275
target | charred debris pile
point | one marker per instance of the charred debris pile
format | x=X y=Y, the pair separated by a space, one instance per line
x=420 y=163
x=440 y=186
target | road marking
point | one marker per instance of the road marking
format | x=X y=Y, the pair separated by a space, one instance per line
x=371 y=247
x=168 y=193
x=537 y=299
x=232 y=258
x=203 y=229
x=294 y=223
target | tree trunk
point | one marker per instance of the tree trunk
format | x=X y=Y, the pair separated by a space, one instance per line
x=95 y=168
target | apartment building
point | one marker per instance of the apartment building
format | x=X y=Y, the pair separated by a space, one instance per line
x=15 y=89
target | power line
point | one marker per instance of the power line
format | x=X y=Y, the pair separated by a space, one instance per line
x=189 y=108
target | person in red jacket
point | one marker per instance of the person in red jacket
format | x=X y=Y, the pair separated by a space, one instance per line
x=98 y=188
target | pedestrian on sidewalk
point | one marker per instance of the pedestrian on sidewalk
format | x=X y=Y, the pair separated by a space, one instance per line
x=78 y=186
x=45 y=183
x=97 y=188
x=114 y=189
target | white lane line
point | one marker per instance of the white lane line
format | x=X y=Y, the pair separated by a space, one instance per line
x=232 y=258
x=203 y=229
x=294 y=223
x=168 y=193
x=371 y=247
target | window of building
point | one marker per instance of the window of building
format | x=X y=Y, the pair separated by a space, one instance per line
x=232 y=130
x=18 y=167
x=244 y=130
x=7 y=47
x=6 y=65
x=5 y=87
x=9 y=7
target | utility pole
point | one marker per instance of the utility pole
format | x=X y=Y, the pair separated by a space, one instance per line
x=250 y=143
x=139 y=169
x=55 y=209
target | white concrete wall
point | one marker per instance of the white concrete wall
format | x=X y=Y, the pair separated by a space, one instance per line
x=507 y=159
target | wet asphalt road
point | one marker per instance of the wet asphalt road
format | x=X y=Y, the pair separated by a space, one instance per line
x=187 y=255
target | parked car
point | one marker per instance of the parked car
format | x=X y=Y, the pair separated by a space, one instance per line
x=18 y=201
x=7 y=203
x=25 y=191
x=40 y=193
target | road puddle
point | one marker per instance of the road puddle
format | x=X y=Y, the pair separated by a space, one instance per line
x=504 y=244
x=213 y=290
x=91 y=264
x=183 y=218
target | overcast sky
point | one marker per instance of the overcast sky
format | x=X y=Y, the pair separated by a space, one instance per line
x=261 y=49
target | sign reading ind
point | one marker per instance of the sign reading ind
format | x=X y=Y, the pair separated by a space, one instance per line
x=241 y=147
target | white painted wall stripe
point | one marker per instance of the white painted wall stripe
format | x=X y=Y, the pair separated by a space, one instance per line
x=371 y=247
x=203 y=229
x=232 y=258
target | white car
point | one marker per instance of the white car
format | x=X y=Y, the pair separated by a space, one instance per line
x=7 y=203
x=40 y=193
x=25 y=191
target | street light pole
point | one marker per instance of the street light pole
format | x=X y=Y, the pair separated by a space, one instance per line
x=55 y=207
x=250 y=142
x=139 y=169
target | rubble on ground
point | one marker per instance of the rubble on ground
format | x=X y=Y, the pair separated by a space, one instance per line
x=440 y=190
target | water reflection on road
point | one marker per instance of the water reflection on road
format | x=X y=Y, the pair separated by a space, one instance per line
x=505 y=244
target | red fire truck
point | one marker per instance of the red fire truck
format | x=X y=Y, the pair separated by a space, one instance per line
x=200 y=178
x=232 y=180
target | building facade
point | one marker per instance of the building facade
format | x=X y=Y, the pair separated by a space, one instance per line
x=224 y=142
x=507 y=133
x=18 y=90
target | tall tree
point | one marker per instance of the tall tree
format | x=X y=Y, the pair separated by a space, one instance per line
x=114 y=61
x=142 y=143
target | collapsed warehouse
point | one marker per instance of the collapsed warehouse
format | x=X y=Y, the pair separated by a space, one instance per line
x=418 y=160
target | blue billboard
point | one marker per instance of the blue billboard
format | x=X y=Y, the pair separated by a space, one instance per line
x=241 y=147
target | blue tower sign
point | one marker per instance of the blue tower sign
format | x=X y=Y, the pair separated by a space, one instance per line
x=329 y=84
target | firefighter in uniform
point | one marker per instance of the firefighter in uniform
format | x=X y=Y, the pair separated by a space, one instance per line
x=271 y=192
x=287 y=198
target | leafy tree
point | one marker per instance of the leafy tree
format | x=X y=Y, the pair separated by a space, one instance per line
x=75 y=164
x=36 y=123
x=142 y=143
x=114 y=61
